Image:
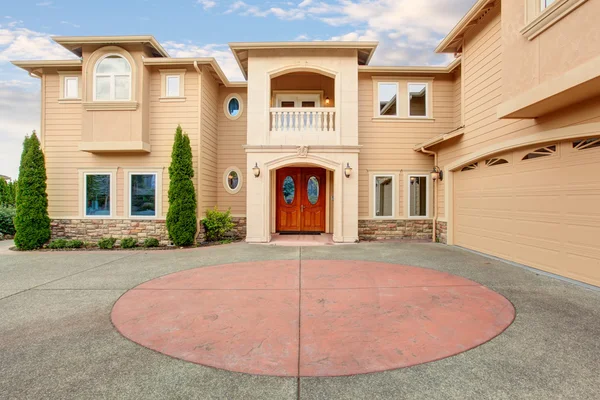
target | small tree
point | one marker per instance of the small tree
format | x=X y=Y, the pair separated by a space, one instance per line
x=181 y=218
x=32 y=222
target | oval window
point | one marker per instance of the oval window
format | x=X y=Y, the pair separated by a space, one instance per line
x=233 y=180
x=233 y=107
x=312 y=190
x=289 y=190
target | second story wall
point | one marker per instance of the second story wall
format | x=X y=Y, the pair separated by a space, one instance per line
x=569 y=42
x=264 y=65
x=208 y=142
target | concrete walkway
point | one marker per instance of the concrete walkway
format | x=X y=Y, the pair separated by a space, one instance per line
x=57 y=340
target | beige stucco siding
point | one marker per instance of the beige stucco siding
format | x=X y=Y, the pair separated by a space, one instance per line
x=387 y=146
x=208 y=145
x=231 y=138
x=63 y=132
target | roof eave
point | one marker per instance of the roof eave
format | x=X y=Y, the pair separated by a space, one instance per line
x=73 y=42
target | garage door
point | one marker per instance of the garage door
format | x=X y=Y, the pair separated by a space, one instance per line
x=538 y=206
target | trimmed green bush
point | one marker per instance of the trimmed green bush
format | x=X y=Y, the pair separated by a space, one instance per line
x=57 y=244
x=74 y=244
x=151 y=242
x=128 y=243
x=7 y=220
x=32 y=223
x=181 y=217
x=217 y=224
x=107 y=243
x=8 y=193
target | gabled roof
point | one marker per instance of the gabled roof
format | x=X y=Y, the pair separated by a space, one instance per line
x=452 y=43
x=74 y=43
x=412 y=69
x=240 y=50
x=213 y=65
x=32 y=66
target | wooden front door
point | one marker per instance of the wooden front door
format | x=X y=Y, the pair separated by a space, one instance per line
x=300 y=200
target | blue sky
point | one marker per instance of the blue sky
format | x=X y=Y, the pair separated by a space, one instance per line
x=408 y=31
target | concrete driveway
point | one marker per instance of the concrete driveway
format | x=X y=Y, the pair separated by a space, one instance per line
x=57 y=340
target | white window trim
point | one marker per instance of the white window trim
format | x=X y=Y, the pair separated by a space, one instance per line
x=226 y=183
x=112 y=86
x=127 y=173
x=63 y=76
x=427 y=177
x=402 y=97
x=377 y=105
x=374 y=186
x=298 y=98
x=226 y=104
x=164 y=75
x=427 y=111
x=83 y=172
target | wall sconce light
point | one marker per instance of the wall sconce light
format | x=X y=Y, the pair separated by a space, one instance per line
x=256 y=170
x=437 y=173
x=348 y=170
x=327 y=100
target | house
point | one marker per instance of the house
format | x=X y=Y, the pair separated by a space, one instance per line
x=497 y=152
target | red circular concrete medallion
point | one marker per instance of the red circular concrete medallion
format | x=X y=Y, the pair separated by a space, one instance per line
x=311 y=318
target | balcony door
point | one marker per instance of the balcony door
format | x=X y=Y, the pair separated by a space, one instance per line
x=298 y=100
x=300 y=204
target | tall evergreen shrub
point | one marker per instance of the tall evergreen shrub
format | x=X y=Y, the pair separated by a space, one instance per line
x=181 y=218
x=32 y=222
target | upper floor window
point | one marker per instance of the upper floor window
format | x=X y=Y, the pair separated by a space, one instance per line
x=546 y=3
x=71 y=87
x=417 y=99
x=112 y=79
x=173 y=85
x=388 y=99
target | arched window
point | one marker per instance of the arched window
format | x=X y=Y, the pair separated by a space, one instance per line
x=112 y=79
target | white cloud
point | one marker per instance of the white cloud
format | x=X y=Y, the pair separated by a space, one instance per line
x=220 y=52
x=25 y=44
x=206 y=4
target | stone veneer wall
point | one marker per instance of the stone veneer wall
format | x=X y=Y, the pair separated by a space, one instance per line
x=238 y=231
x=380 y=229
x=441 y=232
x=92 y=230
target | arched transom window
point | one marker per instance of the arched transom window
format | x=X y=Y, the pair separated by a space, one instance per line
x=112 y=79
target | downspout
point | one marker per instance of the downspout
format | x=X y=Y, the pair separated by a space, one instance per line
x=199 y=214
x=435 y=157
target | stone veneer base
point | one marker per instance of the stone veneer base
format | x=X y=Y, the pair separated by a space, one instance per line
x=92 y=230
x=441 y=232
x=382 y=229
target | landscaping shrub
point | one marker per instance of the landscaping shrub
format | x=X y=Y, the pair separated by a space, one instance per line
x=181 y=217
x=217 y=224
x=128 y=243
x=57 y=244
x=74 y=244
x=151 y=242
x=107 y=243
x=32 y=223
x=7 y=221
x=8 y=193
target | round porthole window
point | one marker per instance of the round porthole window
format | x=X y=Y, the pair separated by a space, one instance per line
x=233 y=106
x=232 y=180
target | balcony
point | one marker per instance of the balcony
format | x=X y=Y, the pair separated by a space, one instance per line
x=307 y=119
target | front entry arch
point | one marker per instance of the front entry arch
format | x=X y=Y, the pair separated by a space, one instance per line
x=300 y=199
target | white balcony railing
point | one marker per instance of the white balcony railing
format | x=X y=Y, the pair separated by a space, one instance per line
x=319 y=119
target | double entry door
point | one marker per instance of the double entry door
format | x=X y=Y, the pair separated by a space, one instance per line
x=300 y=200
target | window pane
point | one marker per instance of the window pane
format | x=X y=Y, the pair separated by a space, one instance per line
x=384 y=193
x=387 y=98
x=312 y=190
x=172 y=86
x=417 y=201
x=71 y=88
x=97 y=195
x=102 y=88
x=546 y=3
x=288 y=104
x=143 y=195
x=417 y=95
x=122 y=84
x=233 y=180
x=113 y=65
x=289 y=190
x=233 y=107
